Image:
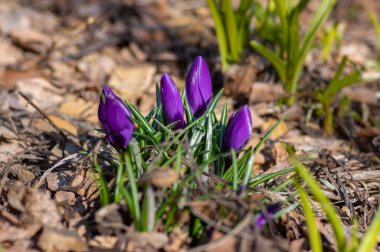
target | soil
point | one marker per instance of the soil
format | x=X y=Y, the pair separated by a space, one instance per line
x=56 y=55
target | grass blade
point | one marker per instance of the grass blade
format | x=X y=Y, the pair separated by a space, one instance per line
x=220 y=33
x=148 y=216
x=132 y=183
x=231 y=30
x=258 y=146
x=324 y=202
x=276 y=61
x=371 y=236
x=312 y=229
x=235 y=169
x=222 y=127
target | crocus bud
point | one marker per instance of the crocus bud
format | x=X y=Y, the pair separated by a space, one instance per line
x=171 y=101
x=198 y=87
x=238 y=129
x=114 y=115
x=262 y=219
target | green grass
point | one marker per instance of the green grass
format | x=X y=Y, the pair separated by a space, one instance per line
x=334 y=87
x=291 y=47
x=367 y=243
x=232 y=28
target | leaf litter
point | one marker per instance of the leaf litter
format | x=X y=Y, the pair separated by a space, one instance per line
x=60 y=55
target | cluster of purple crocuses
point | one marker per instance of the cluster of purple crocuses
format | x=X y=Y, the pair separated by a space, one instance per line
x=115 y=115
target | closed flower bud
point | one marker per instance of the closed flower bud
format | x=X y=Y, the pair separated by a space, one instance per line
x=238 y=129
x=114 y=115
x=198 y=87
x=262 y=218
x=172 y=102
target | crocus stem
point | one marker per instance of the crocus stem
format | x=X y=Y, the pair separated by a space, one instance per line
x=132 y=182
x=119 y=179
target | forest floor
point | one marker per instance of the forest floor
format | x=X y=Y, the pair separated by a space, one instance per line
x=55 y=57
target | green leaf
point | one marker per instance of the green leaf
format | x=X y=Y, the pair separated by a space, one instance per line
x=101 y=184
x=231 y=30
x=142 y=122
x=222 y=127
x=376 y=25
x=324 y=202
x=262 y=141
x=235 y=169
x=119 y=183
x=276 y=61
x=262 y=178
x=324 y=10
x=148 y=216
x=370 y=238
x=220 y=33
x=167 y=129
x=208 y=144
x=132 y=183
x=210 y=108
x=312 y=229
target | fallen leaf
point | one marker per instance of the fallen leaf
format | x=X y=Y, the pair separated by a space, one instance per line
x=32 y=40
x=41 y=92
x=24 y=199
x=9 y=54
x=226 y=246
x=20 y=18
x=265 y=92
x=358 y=52
x=281 y=154
x=64 y=125
x=96 y=66
x=52 y=240
x=22 y=173
x=62 y=196
x=146 y=241
x=161 y=177
x=304 y=144
x=13 y=233
x=79 y=108
x=280 y=131
x=361 y=94
x=109 y=219
x=84 y=184
x=58 y=180
x=103 y=241
x=239 y=80
x=9 y=144
x=132 y=82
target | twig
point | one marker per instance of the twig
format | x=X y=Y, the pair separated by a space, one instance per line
x=59 y=163
x=7 y=168
x=43 y=115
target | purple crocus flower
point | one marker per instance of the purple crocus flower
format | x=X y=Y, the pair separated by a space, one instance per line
x=238 y=129
x=172 y=102
x=261 y=218
x=114 y=115
x=198 y=87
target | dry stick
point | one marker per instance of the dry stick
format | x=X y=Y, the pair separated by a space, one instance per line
x=59 y=163
x=43 y=115
x=7 y=169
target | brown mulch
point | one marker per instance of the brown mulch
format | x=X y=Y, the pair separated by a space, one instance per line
x=57 y=55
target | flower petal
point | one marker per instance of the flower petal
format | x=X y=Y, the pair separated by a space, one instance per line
x=239 y=129
x=171 y=101
x=198 y=87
